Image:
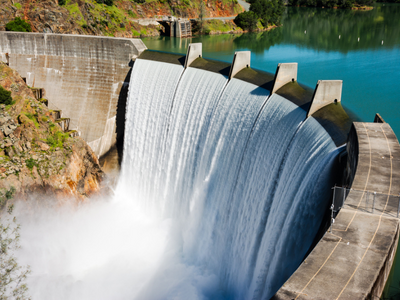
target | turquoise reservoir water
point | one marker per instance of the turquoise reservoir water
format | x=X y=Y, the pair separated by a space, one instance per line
x=360 y=47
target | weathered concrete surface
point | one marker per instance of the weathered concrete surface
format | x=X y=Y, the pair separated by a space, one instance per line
x=262 y=79
x=335 y=121
x=285 y=73
x=81 y=75
x=194 y=51
x=353 y=261
x=326 y=92
x=212 y=66
x=241 y=60
x=170 y=58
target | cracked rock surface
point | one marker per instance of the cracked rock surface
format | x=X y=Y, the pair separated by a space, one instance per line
x=36 y=156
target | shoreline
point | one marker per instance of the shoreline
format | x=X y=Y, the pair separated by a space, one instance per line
x=362 y=8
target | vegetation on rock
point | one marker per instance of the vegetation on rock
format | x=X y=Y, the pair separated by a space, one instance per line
x=110 y=18
x=18 y=25
x=267 y=12
x=12 y=275
x=332 y=3
x=5 y=96
x=247 y=20
x=106 y=2
x=211 y=27
x=35 y=153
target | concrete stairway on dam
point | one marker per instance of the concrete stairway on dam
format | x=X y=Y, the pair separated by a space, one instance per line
x=55 y=114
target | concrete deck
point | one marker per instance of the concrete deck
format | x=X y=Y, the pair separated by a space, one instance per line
x=353 y=261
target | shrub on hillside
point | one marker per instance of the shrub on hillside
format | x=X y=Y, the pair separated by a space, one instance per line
x=18 y=25
x=61 y=2
x=268 y=11
x=12 y=275
x=5 y=96
x=106 y=2
x=246 y=20
x=331 y=3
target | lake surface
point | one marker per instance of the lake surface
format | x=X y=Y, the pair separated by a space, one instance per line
x=362 y=48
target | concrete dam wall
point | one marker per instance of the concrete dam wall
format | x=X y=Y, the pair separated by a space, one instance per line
x=87 y=78
x=83 y=76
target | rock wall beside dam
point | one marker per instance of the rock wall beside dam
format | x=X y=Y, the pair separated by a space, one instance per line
x=84 y=76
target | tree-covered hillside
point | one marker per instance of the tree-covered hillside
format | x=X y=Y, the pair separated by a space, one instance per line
x=121 y=18
x=262 y=14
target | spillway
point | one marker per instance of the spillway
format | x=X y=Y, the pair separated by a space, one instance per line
x=223 y=186
x=245 y=175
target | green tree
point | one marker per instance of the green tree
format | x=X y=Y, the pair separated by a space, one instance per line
x=106 y=2
x=268 y=11
x=202 y=14
x=5 y=96
x=18 y=25
x=12 y=275
x=246 y=20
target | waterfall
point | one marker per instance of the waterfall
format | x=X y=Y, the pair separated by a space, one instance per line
x=222 y=190
x=245 y=176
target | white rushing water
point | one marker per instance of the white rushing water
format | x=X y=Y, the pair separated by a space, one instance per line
x=221 y=193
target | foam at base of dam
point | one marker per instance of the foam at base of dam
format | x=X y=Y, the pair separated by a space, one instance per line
x=83 y=76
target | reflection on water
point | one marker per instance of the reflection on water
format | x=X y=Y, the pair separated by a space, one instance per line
x=315 y=28
x=339 y=29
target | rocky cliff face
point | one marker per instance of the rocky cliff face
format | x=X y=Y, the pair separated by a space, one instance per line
x=120 y=20
x=35 y=154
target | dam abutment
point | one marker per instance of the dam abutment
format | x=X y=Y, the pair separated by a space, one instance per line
x=81 y=75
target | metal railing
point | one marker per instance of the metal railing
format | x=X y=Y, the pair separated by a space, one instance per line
x=365 y=201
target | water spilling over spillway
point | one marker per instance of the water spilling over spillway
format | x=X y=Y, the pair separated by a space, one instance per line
x=222 y=190
x=243 y=174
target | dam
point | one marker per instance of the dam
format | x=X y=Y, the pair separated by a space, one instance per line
x=245 y=161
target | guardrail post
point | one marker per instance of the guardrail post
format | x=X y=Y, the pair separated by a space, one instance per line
x=373 y=204
x=344 y=197
x=333 y=206
x=398 y=208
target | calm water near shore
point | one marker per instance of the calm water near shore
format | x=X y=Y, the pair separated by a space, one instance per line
x=360 y=47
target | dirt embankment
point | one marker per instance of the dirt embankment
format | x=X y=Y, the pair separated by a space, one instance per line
x=36 y=156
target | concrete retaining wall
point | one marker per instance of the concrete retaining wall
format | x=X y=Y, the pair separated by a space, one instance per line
x=81 y=75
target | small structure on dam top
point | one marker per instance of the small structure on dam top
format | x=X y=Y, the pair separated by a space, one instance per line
x=88 y=77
